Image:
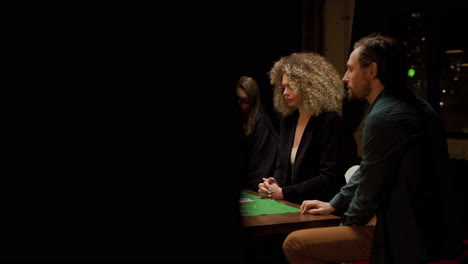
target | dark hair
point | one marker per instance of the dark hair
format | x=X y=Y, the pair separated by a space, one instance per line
x=385 y=51
x=250 y=86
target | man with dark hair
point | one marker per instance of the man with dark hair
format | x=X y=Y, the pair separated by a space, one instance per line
x=399 y=205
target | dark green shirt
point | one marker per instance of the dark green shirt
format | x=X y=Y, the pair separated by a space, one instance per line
x=402 y=178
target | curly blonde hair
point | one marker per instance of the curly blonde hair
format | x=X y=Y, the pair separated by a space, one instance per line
x=311 y=75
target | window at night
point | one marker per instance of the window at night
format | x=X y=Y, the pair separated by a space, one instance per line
x=453 y=92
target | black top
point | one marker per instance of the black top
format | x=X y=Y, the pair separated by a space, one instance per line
x=320 y=162
x=259 y=151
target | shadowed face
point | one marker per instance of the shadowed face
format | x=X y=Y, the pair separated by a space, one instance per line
x=293 y=99
x=243 y=101
x=356 y=78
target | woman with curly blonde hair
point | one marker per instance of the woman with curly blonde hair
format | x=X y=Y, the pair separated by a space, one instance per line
x=308 y=94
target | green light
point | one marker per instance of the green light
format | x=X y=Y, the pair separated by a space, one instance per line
x=411 y=72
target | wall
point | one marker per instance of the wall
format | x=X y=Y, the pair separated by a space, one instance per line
x=338 y=22
x=458 y=148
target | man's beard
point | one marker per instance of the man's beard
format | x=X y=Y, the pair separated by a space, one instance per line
x=352 y=97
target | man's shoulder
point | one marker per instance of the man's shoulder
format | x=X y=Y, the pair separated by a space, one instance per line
x=392 y=108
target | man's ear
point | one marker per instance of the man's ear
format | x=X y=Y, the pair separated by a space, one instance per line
x=373 y=70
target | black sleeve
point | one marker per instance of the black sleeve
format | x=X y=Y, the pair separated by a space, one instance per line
x=263 y=147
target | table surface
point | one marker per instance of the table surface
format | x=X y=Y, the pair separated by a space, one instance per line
x=286 y=222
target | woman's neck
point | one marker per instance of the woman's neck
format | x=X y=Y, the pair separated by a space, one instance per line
x=304 y=115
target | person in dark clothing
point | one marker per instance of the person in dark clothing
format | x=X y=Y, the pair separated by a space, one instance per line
x=399 y=204
x=259 y=139
x=311 y=163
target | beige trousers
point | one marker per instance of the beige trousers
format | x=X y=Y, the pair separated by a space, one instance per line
x=329 y=244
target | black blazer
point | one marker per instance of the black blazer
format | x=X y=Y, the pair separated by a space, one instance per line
x=319 y=165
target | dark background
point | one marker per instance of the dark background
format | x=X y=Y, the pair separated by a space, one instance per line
x=121 y=128
x=120 y=124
